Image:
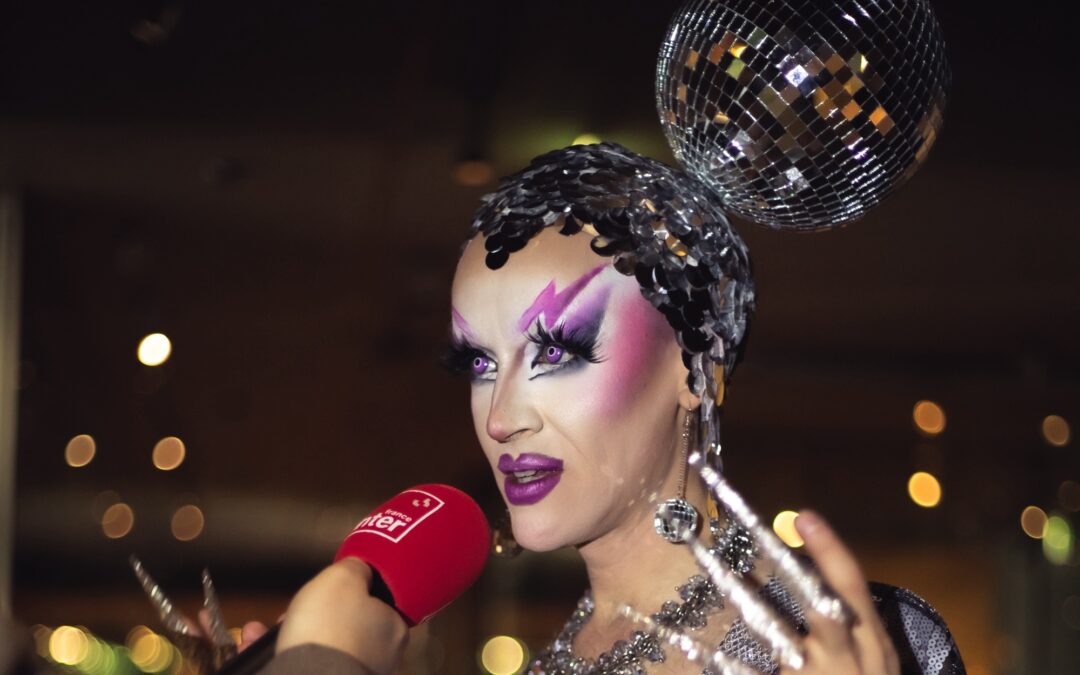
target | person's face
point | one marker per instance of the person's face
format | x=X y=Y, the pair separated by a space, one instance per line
x=576 y=383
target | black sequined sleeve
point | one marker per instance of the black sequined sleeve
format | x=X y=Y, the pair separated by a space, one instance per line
x=922 y=639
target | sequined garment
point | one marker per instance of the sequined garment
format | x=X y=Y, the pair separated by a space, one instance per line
x=919 y=634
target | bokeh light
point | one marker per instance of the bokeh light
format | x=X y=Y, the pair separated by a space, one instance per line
x=154 y=349
x=80 y=450
x=1058 y=540
x=117 y=520
x=474 y=173
x=929 y=418
x=1069 y=495
x=68 y=645
x=585 y=139
x=1033 y=522
x=1056 y=431
x=150 y=652
x=102 y=501
x=169 y=453
x=784 y=527
x=924 y=489
x=503 y=655
x=187 y=522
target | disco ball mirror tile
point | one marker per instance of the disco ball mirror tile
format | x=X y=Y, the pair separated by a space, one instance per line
x=801 y=114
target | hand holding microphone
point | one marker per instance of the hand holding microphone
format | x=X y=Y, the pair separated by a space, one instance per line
x=335 y=609
x=399 y=566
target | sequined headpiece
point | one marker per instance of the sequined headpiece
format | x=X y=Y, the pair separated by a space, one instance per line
x=797 y=115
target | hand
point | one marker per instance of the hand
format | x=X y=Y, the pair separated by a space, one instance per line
x=833 y=648
x=252 y=630
x=335 y=609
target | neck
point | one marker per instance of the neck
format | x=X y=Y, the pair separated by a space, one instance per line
x=633 y=565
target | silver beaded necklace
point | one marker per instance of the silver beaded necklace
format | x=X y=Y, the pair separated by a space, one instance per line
x=699 y=596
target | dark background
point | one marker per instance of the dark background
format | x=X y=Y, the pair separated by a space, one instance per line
x=272 y=186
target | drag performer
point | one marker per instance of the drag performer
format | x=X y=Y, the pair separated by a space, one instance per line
x=602 y=305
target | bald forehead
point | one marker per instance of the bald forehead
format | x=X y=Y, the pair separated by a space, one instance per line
x=544 y=277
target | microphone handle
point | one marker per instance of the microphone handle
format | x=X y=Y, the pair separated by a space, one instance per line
x=255 y=657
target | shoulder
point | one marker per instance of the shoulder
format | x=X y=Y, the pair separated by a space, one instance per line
x=919 y=633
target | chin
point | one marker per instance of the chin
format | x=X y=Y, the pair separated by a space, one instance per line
x=539 y=533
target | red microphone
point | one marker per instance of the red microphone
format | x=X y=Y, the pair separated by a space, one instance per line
x=425 y=547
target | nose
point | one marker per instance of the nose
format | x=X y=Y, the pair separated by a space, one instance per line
x=513 y=414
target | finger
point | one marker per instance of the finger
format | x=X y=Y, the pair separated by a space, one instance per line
x=835 y=562
x=759 y=617
x=251 y=631
x=205 y=628
x=805 y=584
x=868 y=641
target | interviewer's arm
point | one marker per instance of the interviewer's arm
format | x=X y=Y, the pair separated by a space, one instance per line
x=333 y=625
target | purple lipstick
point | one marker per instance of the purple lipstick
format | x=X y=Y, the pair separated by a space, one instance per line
x=530 y=477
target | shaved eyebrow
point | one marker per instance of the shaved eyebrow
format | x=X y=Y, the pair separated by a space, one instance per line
x=552 y=304
x=460 y=323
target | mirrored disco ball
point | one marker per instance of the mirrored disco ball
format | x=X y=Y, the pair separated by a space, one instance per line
x=802 y=114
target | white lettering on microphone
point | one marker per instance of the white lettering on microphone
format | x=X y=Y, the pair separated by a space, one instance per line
x=394 y=522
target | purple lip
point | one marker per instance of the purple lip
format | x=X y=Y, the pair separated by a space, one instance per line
x=529 y=461
x=529 y=492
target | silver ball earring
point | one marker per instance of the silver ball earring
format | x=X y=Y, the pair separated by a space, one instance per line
x=677 y=520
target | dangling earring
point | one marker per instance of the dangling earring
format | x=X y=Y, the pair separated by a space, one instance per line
x=676 y=520
x=503 y=544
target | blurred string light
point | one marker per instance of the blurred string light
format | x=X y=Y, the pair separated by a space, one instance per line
x=152 y=653
x=1069 y=495
x=1033 y=522
x=68 y=645
x=1056 y=431
x=503 y=655
x=154 y=349
x=80 y=450
x=784 y=527
x=169 y=453
x=79 y=651
x=924 y=489
x=929 y=418
x=1058 y=540
x=585 y=139
x=117 y=521
x=187 y=522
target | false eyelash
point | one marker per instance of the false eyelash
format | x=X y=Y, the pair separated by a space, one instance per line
x=458 y=356
x=580 y=342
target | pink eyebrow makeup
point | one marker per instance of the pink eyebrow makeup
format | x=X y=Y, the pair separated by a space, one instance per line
x=552 y=304
x=461 y=324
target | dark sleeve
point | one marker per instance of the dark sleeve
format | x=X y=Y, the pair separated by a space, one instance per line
x=315 y=659
x=921 y=638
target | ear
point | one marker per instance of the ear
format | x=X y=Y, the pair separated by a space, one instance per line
x=690 y=401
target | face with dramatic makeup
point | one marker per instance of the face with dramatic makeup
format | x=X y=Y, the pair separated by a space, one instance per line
x=576 y=385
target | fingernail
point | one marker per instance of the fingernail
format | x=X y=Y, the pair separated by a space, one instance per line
x=808 y=522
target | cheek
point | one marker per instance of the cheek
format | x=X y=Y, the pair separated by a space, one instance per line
x=635 y=358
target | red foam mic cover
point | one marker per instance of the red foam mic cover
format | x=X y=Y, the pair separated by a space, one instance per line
x=429 y=543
